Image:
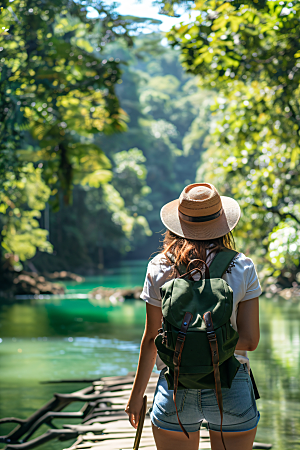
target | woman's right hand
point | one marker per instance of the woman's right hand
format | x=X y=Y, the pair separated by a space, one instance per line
x=133 y=409
x=146 y=362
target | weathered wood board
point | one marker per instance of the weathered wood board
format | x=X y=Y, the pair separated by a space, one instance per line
x=111 y=428
x=103 y=423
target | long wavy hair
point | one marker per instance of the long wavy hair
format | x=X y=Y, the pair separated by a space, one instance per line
x=185 y=250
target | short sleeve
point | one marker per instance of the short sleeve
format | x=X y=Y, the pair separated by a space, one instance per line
x=149 y=293
x=159 y=271
x=253 y=288
x=243 y=280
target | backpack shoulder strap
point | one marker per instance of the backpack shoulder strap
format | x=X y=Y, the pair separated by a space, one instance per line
x=181 y=268
x=221 y=262
x=218 y=266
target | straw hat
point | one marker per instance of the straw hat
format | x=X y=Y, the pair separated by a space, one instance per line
x=201 y=213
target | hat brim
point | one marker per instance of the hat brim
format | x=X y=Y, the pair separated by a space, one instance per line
x=212 y=229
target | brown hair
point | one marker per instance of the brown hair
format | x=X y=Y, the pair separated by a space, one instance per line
x=184 y=250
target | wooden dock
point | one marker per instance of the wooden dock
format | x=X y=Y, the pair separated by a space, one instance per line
x=112 y=430
x=103 y=423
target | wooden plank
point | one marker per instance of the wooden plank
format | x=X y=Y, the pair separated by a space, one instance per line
x=105 y=408
x=143 y=445
x=122 y=381
x=112 y=413
x=115 y=394
x=128 y=444
x=109 y=428
x=104 y=419
x=121 y=435
x=116 y=443
x=121 y=386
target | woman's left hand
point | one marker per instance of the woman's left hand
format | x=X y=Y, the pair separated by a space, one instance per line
x=133 y=409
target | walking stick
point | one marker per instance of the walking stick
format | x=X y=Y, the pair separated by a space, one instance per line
x=140 y=424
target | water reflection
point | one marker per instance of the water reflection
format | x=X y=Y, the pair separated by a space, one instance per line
x=44 y=340
x=276 y=367
x=35 y=318
x=129 y=274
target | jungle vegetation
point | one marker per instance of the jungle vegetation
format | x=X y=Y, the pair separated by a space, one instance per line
x=105 y=124
x=249 y=54
x=92 y=132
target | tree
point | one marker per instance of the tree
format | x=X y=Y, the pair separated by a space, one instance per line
x=22 y=198
x=175 y=8
x=57 y=91
x=164 y=105
x=102 y=224
x=151 y=162
x=250 y=57
x=53 y=70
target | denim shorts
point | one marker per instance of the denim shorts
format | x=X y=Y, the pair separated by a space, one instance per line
x=195 y=405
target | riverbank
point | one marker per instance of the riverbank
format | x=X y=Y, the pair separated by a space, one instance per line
x=117 y=294
x=28 y=284
x=271 y=289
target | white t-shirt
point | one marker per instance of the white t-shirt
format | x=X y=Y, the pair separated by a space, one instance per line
x=242 y=280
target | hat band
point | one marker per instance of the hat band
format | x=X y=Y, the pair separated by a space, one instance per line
x=201 y=218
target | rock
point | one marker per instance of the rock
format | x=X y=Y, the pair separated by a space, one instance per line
x=275 y=289
x=41 y=279
x=27 y=283
x=31 y=274
x=289 y=293
x=64 y=276
x=116 y=295
x=32 y=283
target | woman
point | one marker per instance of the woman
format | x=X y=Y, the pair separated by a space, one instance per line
x=199 y=224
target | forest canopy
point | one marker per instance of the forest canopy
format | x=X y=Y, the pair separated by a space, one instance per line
x=109 y=124
x=96 y=118
x=249 y=54
x=57 y=92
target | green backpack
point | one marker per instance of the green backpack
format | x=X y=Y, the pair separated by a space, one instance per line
x=197 y=341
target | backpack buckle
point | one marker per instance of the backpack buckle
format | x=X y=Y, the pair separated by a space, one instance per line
x=181 y=335
x=211 y=336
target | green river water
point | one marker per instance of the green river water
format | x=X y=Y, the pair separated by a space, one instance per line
x=74 y=337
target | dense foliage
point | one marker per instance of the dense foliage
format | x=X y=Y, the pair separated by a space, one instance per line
x=169 y=120
x=151 y=162
x=56 y=92
x=83 y=104
x=251 y=57
x=21 y=233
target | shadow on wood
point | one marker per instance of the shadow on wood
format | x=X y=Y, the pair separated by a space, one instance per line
x=103 y=423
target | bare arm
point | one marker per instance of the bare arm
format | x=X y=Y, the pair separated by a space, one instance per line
x=248 y=325
x=146 y=363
